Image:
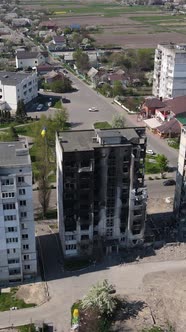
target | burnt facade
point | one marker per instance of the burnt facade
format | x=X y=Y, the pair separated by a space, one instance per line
x=100 y=189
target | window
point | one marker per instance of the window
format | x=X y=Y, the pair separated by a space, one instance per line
x=7 y=182
x=23 y=214
x=21 y=179
x=10 y=218
x=109 y=232
x=21 y=191
x=25 y=246
x=13 y=260
x=27 y=267
x=26 y=257
x=8 y=195
x=11 y=251
x=70 y=237
x=13 y=239
x=84 y=237
x=23 y=226
x=11 y=229
x=9 y=206
x=70 y=246
x=14 y=271
x=24 y=236
x=22 y=203
x=109 y=223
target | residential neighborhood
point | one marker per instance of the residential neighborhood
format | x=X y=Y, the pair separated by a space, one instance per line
x=92 y=168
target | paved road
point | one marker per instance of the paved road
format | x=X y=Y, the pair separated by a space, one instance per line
x=81 y=118
x=127 y=279
x=156 y=189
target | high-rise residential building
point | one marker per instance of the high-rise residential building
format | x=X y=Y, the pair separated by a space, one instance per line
x=101 y=196
x=180 y=190
x=169 y=78
x=17 y=234
x=16 y=86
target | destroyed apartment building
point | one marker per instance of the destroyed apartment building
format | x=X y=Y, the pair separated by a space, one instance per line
x=101 y=197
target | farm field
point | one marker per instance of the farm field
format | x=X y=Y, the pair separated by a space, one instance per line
x=126 y=26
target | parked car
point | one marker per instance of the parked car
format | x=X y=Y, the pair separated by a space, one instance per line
x=150 y=152
x=39 y=107
x=65 y=100
x=93 y=109
x=170 y=182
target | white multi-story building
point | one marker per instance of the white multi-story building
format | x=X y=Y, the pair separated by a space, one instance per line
x=169 y=78
x=17 y=234
x=15 y=86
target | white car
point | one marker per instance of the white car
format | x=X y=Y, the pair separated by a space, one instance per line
x=150 y=152
x=93 y=109
x=39 y=107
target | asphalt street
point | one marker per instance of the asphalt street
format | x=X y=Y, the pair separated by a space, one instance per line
x=80 y=117
x=64 y=292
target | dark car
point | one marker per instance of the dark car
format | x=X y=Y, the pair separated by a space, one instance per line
x=65 y=100
x=170 y=182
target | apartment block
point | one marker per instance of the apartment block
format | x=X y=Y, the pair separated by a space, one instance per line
x=17 y=234
x=180 y=190
x=169 y=78
x=15 y=86
x=101 y=197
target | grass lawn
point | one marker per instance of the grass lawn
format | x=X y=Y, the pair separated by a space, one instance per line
x=27 y=130
x=102 y=125
x=9 y=300
x=174 y=143
x=150 y=166
x=27 y=328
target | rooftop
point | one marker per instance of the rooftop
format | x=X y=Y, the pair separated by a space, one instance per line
x=85 y=140
x=14 y=154
x=172 y=126
x=30 y=55
x=12 y=78
x=58 y=39
x=154 y=103
x=178 y=48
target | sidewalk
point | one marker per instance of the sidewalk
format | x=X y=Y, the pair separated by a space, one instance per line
x=157 y=176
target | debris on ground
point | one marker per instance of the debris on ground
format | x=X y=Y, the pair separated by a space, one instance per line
x=33 y=293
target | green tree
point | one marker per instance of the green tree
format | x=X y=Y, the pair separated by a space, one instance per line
x=117 y=88
x=162 y=162
x=76 y=39
x=67 y=31
x=12 y=134
x=45 y=153
x=106 y=90
x=100 y=297
x=21 y=112
x=145 y=59
x=118 y=121
x=60 y=119
x=44 y=168
x=82 y=60
x=61 y=86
